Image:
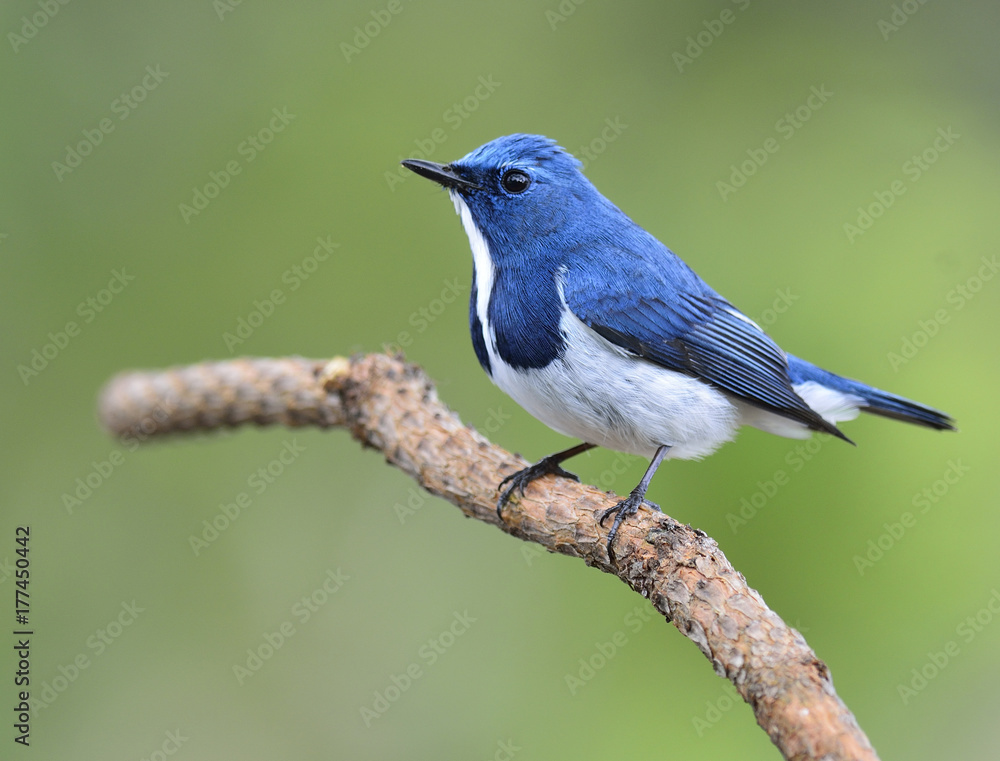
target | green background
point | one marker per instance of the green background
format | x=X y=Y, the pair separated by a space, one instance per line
x=565 y=71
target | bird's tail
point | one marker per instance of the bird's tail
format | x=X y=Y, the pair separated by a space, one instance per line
x=871 y=400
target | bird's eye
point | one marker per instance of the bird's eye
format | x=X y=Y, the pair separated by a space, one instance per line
x=515 y=181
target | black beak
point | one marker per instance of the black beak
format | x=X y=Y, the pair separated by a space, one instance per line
x=441 y=173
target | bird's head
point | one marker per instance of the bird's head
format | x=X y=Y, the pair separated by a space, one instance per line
x=516 y=188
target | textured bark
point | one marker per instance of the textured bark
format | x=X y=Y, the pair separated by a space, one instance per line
x=393 y=407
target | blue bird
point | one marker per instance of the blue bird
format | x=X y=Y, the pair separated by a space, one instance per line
x=603 y=333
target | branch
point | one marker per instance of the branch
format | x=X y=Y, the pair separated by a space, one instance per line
x=393 y=407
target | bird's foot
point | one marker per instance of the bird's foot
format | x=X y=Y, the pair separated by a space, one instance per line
x=518 y=481
x=628 y=506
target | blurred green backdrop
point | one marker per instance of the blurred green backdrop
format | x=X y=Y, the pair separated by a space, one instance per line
x=860 y=143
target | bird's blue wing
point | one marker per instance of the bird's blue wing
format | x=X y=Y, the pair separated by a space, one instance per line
x=655 y=307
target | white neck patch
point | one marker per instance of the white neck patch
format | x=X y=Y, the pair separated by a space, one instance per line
x=483 y=264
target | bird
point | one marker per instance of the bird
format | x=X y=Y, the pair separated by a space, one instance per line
x=604 y=334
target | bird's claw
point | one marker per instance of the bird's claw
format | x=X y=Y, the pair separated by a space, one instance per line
x=519 y=481
x=628 y=506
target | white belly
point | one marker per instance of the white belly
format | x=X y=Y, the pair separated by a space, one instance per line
x=603 y=396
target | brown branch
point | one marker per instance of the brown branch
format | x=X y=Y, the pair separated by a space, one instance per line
x=393 y=407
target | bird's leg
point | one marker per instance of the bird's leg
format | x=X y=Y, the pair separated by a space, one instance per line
x=631 y=504
x=541 y=468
